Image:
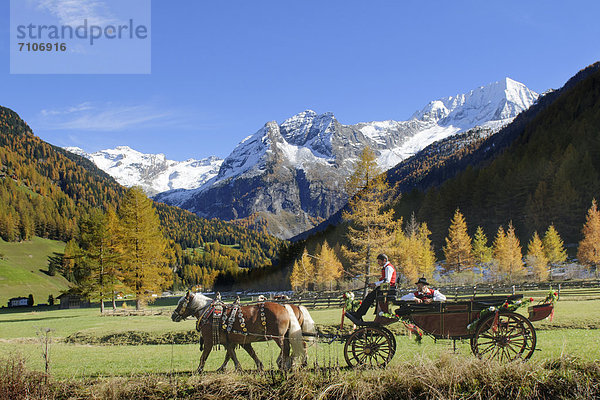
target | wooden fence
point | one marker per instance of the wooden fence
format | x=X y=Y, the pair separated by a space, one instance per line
x=565 y=290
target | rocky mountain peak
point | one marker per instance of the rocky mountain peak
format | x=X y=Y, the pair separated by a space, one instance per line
x=494 y=102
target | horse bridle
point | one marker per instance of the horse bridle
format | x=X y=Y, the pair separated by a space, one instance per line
x=183 y=307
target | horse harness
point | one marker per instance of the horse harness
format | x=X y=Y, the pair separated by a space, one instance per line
x=221 y=321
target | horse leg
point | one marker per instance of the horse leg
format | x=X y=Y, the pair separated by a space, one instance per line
x=284 y=359
x=204 y=356
x=250 y=351
x=231 y=351
x=224 y=365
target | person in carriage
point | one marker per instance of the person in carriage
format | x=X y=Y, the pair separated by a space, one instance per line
x=424 y=294
x=388 y=275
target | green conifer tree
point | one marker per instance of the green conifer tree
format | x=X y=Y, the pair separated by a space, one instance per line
x=482 y=253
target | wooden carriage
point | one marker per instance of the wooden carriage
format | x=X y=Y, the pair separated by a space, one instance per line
x=494 y=331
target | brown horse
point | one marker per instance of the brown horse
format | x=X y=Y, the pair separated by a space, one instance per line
x=252 y=323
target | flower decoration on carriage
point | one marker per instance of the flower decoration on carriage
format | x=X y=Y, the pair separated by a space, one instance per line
x=551 y=298
x=350 y=304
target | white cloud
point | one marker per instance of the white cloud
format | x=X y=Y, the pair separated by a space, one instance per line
x=73 y=12
x=109 y=117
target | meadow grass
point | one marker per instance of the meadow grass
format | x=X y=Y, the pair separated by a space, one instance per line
x=18 y=336
x=21 y=270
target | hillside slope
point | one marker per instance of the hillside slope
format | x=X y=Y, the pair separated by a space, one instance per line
x=22 y=270
x=542 y=169
x=45 y=190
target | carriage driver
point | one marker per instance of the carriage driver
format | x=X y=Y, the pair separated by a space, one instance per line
x=388 y=275
x=424 y=294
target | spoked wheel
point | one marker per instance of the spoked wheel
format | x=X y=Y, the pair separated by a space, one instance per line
x=512 y=337
x=370 y=346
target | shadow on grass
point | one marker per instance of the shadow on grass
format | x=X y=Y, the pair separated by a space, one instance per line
x=39 y=319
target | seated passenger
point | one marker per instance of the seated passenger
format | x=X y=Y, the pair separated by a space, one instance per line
x=424 y=294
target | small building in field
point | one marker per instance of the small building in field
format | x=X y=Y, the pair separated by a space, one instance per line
x=69 y=300
x=18 y=302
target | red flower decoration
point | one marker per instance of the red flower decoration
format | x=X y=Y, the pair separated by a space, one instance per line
x=505 y=304
x=531 y=299
x=556 y=294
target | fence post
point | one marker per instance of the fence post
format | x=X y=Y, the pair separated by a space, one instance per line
x=558 y=297
x=474 y=291
x=492 y=290
x=513 y=288
x=456 y=294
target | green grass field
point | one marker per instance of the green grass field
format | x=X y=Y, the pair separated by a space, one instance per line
x=573 y=332
x=21 y=270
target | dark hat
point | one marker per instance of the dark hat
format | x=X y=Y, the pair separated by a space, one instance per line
x=422 y=280
x=382 y=257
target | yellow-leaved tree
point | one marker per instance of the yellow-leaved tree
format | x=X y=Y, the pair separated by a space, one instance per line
x=144 y=261
x=412 y=251
x=458 y=250
x=328 y=268
x=554 y=247
x=589 y=247
x=302 y=272
x=508 y=258
x=369 y=225
x=536 y=258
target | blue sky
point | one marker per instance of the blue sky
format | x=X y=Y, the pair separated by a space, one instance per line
x=220 y=70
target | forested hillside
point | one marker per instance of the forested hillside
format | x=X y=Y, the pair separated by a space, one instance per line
x=544 y=169
x=45 y=190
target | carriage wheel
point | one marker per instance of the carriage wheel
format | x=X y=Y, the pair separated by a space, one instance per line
x=513 y=338
x=370 y=346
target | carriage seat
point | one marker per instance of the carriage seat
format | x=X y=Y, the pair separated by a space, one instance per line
x=494 y=301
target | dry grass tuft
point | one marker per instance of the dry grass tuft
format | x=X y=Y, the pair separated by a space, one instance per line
x=447 y=377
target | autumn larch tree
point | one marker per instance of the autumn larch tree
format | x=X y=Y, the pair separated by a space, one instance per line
x=537 y=259
x=328 y=267
x=144 y=263
x=554 y=247
x=370 y=227
x=458 y=245
x=302 y=272
x=411 y=251
x=589 y=247
x=508 y=258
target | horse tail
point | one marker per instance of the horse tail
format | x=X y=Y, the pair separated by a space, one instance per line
x=294 y=334
x=308 y=325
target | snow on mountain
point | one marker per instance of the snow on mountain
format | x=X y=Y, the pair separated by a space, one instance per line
x=495 y=102
x=294 y=172
x=153 y=172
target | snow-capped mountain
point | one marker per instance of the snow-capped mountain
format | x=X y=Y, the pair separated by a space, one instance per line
x=293 y=173
x=153 y=172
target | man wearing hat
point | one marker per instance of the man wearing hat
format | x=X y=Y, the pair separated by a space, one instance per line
x=388 y=275
x=424 y=294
